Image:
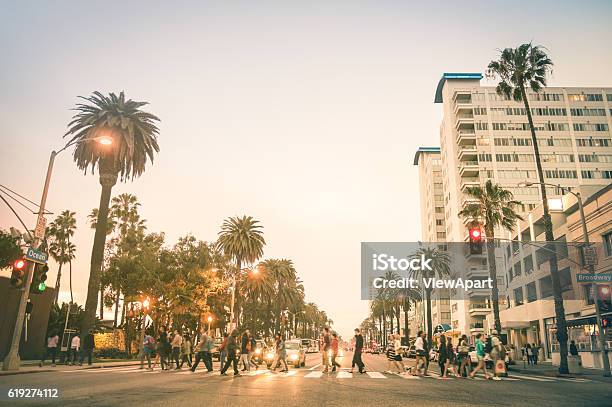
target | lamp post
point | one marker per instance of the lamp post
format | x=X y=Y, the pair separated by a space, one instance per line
x=585 y=233
x=209 y=320
x=12 y=359
x=146 y=305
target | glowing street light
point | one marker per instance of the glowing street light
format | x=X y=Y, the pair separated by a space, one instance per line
x=209 y=319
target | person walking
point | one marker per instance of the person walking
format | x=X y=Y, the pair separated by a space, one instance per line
x=89 y=345
x=497 y=353
x=177 y=342
x=573 y=350
x=281 y=354
x=536 y=350
x=421 y=354
x=480 y=354
x=357 y=353
x=75 y=346
x=148 y=347
x=397 y=347
x=529 y=353
x=51 y=349
x=464 y=357
x=223 y=350
x=442 y=356
x=334 y=349
x=326 y=346
x=245 y=349
x=162 y=349
x=253 y=344
x=186 y=349
x=202 y=350
x=232 y=348
x=451 y=358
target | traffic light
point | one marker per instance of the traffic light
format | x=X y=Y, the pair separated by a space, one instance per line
x=38 y=285
x=604 y=297
x=475 y=240
x=18 y=274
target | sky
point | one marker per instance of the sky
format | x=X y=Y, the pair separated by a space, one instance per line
x=304 y=115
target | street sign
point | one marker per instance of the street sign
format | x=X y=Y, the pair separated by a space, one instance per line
x=41 y=225
x=589 y=254
x=36 y=256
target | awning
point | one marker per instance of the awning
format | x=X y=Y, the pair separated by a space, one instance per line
x=590 y=320
x=515 y=324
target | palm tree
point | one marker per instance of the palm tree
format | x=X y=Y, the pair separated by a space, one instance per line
x=440 y=268
x=61 y=249
x=240 y=238
x=519 y=68
x=134 y=141
x=92 y=219
x=495 y=208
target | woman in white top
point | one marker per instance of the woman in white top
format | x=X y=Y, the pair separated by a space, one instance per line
x=397 y=344
x=419 y=347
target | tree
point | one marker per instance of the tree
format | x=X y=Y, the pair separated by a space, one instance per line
x=134 y=141
x=517 y=69
x=60 y=247
x=241 y=239
x=9 y=249
x=494 y=208
x=92 y=218
x=440 y=268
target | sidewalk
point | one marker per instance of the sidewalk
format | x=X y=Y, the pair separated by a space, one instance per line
x=31 y=366
x=547 y=369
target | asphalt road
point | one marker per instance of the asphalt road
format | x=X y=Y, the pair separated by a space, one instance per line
x=121 y=386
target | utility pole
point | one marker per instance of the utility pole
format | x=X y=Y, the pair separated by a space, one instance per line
x=12 y=360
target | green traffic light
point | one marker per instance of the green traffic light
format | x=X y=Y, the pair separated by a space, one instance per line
x=42 y=287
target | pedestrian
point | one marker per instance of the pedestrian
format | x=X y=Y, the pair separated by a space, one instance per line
x=430 y=353
x=51 y=349
x=529 y=353
x=202 y=350
x=245 y=349
x=573 y=350
x=148 y=347
x=177 y=342
x=480 y=354
x=451 y=358
x=325 y=346
x=89 y=345
x=397 y=347
x=186 y=349
x=281 y=354
x=253 y=344
x=497 y=352
x=535 y=350
x=232 y=350
x=75 y=346
x=334 y=349
x=357 y=353
x=223 y=350
x=162 y=349
x=442 y=357
x=420 y=356
x=464 y=357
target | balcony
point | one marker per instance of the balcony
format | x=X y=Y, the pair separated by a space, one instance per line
x=468 y=201
x=466 y=137
x=480 y=310
x=468 y=153
x=465 y=123
x=468 y=169
x=476 y=327
x=469 y=182
x=462 y=96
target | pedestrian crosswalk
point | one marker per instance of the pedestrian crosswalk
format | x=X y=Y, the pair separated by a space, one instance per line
x=342 y=374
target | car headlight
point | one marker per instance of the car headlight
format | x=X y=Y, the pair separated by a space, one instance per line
x=257 y=351
x=293 y=357
x=270 y=355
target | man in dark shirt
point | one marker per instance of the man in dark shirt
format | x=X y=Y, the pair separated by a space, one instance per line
x=358 y=349
x=88 y=348
x=232 y=347
x=326 y=347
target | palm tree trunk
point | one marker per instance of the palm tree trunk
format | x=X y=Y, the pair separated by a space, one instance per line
x=101 y=301
x=493 y=274
x=406 y=330
x=397 y=319
x=70 y=280
x=550 y=238
x=384 y=318
x=428 y=310
x=116 y=309
x=57 y=282
x=107 y=180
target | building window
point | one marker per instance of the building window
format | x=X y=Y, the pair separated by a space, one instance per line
x=531 y=292
x=518 y=296
x=607 y=241
x=546 y=289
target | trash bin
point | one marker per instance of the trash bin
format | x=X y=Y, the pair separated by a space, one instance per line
x=574 y=364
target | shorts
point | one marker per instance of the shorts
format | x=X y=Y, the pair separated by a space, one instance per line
x=480 y=358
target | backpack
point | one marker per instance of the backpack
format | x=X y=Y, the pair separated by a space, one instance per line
x=464 y=349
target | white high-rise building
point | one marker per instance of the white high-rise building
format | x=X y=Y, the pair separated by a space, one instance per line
x=485 y=136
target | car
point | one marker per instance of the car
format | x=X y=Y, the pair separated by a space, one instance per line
x=411 y=352
x=215 y=350
x=268 y=356
x=259 y=351
x=296 y=353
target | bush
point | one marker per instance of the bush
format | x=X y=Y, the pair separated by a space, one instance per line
x=111 y=353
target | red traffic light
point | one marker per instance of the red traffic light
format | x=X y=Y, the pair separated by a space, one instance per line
x=19 y=264
x=475 y=234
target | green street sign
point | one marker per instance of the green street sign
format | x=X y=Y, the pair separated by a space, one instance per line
x=36 y=256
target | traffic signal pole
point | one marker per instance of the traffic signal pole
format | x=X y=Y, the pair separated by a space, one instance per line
x=12 y=360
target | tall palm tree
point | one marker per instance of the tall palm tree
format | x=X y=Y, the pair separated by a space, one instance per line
x=517 y=69
x=60 y=247
x=92 y=219
x=240 y=238
x=494 y=208
x=440 y=268
x=134 y=142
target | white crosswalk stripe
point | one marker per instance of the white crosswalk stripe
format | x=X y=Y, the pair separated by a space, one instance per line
x=376 y=375
x=314 y=374
x=344 y=375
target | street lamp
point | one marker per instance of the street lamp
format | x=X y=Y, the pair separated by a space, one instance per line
x=585 y=233
x=12 y=359
x=209 y=320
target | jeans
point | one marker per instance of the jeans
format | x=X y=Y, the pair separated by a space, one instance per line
x=204 y=356
x=186 y=358
x=49 y=351
x=176 y=352
x=88 y=353
x=357 y=361
x=163 y=359
x=146 y=354
x=333 y=361
x=245 y=361
x=280 y=358
x=231 y=360
x=72 y=355
x=222 y=356
x=325 y=360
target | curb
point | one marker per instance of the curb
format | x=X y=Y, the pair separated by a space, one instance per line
x=43 y=370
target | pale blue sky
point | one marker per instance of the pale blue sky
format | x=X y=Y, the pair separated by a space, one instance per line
x=305 y=116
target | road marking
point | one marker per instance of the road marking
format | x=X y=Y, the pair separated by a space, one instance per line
x=537 y=379
x=315 y=366
x=511 y=379
x=409 y=376
x=289 y=373
x=344 y=375
x=376 y=375
x=314 y=375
